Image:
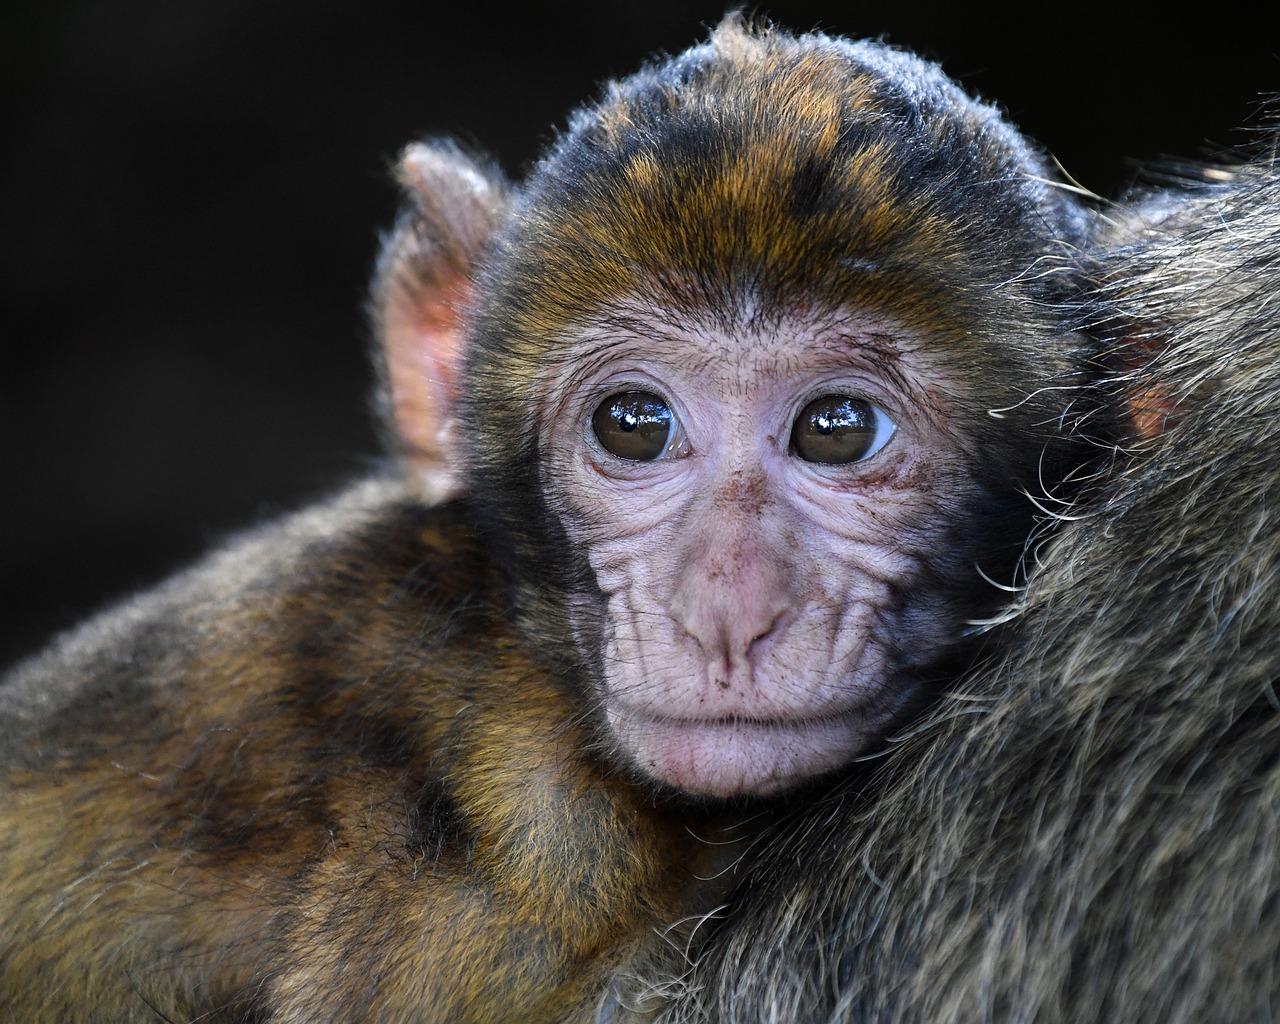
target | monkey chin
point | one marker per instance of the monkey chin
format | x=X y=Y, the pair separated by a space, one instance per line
x=726 y=758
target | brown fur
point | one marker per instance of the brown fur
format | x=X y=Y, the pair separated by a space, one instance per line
x=319 y=779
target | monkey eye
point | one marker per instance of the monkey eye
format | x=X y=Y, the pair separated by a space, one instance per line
x=837 y=429
x=634 y=425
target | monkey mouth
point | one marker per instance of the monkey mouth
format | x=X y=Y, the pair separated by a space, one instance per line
x=731 y=756
x=838 y=714
x=781 y=722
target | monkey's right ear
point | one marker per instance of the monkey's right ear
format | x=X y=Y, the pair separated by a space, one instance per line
x=421 y=296
x=1150 y=407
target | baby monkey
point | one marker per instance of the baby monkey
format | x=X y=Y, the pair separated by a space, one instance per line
x=708 y=434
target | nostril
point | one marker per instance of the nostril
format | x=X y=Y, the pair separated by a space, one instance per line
x=733 y=636
x=756 y=645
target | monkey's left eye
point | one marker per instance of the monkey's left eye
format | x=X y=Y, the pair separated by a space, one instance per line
x=837 y=429
x=634 y=425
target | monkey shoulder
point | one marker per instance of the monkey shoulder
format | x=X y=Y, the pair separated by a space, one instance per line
x=321 y=756
x=276 y=602
x=368 y=631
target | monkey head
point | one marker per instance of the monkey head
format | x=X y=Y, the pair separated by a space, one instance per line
x=747 y=382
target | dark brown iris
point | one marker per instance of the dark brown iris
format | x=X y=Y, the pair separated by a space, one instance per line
x=834 y=429
x=634 y=425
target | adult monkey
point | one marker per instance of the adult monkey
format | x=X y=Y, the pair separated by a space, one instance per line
x=1089 y=828
x=757 y=363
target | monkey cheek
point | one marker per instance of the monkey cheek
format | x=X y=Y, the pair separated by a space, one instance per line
x=737 y=758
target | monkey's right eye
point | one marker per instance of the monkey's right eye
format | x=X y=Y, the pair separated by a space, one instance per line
x=634 y=425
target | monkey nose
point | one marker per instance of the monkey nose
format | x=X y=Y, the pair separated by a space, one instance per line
x=733 y=648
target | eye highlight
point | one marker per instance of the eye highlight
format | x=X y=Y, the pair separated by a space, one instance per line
x=634 y=425
x=838 y=429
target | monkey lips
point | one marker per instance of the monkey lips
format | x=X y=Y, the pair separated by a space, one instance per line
x=727 y=757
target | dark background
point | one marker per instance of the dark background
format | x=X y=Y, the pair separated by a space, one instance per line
x=191 y=193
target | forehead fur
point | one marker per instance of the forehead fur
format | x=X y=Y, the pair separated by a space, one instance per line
x=775 y=171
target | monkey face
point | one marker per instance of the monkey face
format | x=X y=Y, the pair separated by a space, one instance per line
x=759 y=363
x=767 y=514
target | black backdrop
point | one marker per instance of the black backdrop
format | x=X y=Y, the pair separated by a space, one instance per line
x=191 y=191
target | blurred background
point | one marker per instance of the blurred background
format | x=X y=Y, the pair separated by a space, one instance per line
x=191 y=194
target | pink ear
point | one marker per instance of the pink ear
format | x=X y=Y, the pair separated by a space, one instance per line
x=1152 y=406
x=422 y=349
x=422 y=294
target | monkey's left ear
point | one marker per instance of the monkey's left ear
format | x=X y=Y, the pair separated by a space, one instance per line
x=421 y=294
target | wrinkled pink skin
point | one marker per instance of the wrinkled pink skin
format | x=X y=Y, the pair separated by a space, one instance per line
x=752 y=638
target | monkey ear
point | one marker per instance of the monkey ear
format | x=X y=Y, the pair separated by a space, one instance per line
x=1152 y=411
x=1150 y=407
x=421 y=296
